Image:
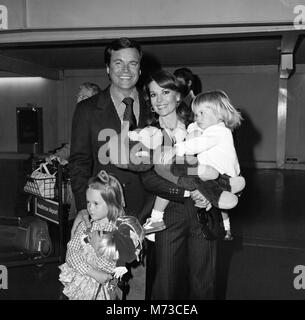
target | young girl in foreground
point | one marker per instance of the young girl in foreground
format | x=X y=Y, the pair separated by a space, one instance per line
x=96 y=258
x=210 y=138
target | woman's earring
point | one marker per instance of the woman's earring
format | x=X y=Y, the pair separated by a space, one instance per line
x=152 y=109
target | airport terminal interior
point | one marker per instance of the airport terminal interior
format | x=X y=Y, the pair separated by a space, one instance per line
x=49 y=48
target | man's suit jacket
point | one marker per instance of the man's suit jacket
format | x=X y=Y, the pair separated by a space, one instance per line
x=91 y=117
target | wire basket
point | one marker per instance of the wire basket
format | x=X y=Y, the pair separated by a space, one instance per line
x=42 y=187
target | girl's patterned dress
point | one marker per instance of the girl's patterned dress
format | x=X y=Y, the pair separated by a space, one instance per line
x=80 y=258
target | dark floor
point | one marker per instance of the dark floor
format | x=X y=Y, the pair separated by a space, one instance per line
x=269 y=239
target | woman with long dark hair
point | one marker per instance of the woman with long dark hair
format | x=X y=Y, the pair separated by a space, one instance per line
x=181 y=262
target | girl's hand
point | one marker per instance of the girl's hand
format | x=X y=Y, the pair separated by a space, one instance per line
x=119 y=272
x=100 y=276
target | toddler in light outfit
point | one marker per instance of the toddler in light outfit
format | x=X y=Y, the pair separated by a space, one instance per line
x=210 y=138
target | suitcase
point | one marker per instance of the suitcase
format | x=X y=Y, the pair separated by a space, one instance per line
x=27 y=235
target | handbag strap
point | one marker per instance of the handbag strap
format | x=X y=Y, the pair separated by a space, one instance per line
x=44 y=166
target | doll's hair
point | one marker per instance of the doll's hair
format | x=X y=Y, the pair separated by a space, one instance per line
x=111 y=191
x=106 y=247
x=220 y=103
x=124 y=243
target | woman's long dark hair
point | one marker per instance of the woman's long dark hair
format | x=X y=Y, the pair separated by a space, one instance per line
x=167 y=80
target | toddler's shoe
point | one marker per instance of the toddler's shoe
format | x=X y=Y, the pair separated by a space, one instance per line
x=237 y=184
x=152 y=226
x=151 y=237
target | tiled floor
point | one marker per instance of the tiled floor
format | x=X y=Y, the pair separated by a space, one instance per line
x=269 y=240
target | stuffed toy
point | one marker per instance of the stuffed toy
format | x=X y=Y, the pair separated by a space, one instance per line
x=136 y=149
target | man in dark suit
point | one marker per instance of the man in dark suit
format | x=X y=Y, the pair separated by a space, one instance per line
x=101 y=116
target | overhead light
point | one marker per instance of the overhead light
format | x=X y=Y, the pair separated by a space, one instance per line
x=14 y=80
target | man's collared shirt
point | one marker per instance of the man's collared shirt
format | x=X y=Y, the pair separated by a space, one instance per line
x=117 y=98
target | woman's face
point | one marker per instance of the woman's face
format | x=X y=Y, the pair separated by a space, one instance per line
x=164 y=101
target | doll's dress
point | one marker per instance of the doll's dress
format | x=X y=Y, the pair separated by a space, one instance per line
x=82 y=287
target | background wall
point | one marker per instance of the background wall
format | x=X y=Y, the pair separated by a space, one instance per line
x=17 y=92
x=253 y=89
x=295 y=141
x=72 y=80
x=100 y=13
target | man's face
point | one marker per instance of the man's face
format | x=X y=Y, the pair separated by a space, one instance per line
x=124 y=68
x=83 y=94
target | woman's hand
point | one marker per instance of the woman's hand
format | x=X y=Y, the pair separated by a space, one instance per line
x=82 y=215
x=167 y=156
x=200 y=200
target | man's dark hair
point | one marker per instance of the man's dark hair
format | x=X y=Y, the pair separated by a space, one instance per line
x=118 y=44
x=184 y=73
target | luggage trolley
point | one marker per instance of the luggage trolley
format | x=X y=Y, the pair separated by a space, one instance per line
x=50 y=206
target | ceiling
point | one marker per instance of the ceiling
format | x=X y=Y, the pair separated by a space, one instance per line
x=174 y=51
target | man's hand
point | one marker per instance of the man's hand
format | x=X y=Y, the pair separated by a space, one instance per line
x=200 y=200
x=82 y=215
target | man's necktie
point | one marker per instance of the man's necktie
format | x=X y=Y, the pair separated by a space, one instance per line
x=128 y=114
